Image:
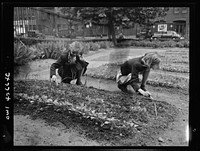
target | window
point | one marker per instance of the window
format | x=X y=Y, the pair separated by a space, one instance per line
x=176 y=10
x=184 y=9
x=34 y=27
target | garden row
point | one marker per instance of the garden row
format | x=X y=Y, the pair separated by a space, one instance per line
x=109 y=71
x=155 y=44
x=174 y=59
x=182 y=68
x=103 y=114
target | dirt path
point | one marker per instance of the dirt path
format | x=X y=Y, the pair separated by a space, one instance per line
x=174 y=136
x=38 y=133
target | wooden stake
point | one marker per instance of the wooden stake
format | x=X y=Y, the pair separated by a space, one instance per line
x=155 y=109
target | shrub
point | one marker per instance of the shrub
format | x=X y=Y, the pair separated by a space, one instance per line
x=156 y=44
x=76 y=47
x=94 y=46
x=50 y=49
x=186 y=44
x=135 y=43
x=86 y=47
x=182 y=44
x=53 y=50
x=22 y=54
x=36 y=54
x=105 y=44
x=148 y=44
x=29 y=41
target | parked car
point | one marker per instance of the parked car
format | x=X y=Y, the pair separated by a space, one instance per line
x=36 y=34
x=144 y=34
x=166 y=35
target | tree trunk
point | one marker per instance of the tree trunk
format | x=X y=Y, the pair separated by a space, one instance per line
x=109 y=33
x=113 y=34
x=112 y=29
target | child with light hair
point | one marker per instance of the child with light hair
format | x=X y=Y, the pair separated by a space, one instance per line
x=130 y=70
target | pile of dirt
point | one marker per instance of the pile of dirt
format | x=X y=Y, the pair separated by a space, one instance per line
x=97 y=114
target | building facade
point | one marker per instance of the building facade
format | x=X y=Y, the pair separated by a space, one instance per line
x=178 y=17
x=50 y=21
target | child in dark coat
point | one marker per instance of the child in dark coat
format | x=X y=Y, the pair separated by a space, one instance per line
x=130 y=70
x=70 y=66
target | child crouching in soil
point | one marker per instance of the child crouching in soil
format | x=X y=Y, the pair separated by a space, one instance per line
x=130 y=70
x=70 y=65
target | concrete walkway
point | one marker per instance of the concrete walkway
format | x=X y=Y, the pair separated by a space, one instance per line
x=105 y=56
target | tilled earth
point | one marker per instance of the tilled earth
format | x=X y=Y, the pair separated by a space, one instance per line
x=97 y=114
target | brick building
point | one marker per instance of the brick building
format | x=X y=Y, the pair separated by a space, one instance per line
x=179 y=18
x=50 y=21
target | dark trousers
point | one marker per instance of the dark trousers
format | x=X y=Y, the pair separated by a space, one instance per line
x=69 y=74
x=134 y=83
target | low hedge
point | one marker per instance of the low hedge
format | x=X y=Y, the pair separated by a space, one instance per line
x=22 y=54
x=154 y=44
x=108 y=43
x=50 y=49
x=29 y=41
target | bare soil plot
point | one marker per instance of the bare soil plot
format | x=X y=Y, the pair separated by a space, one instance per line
x=102 y=115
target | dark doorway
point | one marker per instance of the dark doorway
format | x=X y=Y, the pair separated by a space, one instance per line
x=180 y=27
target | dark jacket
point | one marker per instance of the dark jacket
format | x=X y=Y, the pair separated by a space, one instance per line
x=66 y=70
x=135 y=66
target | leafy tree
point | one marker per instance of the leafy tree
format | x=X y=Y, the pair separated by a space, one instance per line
x=72 y=17
x=117 y=16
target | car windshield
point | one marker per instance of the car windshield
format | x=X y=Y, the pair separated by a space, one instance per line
x=171 y=32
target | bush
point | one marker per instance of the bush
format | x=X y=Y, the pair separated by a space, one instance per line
x=29 y=41
x=94 y=46
x=169 y=43
x=51 y=50
x=105 y=44
x=182 y=44
x=86 y=47
x=36 y=54
x=22 y=54
x=186 y=44
x=90 y=46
